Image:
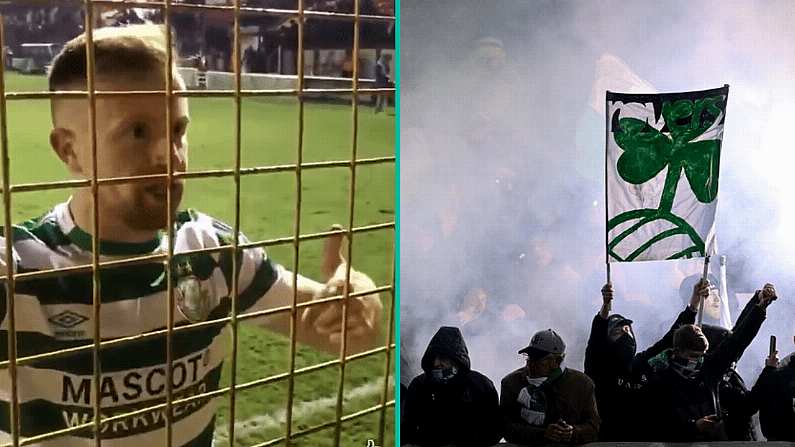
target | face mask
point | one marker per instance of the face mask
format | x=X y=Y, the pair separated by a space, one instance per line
x=623 y=351
x=536 y=381
x=628 y=341
x=687 y=368
x=443 y=375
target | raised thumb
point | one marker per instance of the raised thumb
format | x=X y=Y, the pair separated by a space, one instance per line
x=332 y=254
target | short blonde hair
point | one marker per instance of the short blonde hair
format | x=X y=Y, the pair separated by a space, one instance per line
x=134 y=49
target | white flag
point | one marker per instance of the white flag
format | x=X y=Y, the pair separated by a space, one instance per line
x=663 y=160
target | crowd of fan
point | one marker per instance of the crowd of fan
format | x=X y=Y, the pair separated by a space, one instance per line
x=31 y=25
x=684 y=388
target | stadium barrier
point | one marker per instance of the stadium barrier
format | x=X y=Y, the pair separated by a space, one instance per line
x=322 y=86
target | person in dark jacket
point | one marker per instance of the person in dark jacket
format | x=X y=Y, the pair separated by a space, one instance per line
x=682 y=390
x=733 y=397
x=618 y=371
x=382 y=80
x=543 y=403
x=450 y=404
x=774 y=394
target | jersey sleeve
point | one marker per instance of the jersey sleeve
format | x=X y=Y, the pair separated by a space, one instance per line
x=3 y=302
x=262 y=283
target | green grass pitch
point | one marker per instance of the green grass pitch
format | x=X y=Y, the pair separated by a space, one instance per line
x=269 y=136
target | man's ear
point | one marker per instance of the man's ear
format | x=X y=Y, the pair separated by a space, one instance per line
x=63 y=143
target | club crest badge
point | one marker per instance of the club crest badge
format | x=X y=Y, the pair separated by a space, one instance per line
x=193 y=300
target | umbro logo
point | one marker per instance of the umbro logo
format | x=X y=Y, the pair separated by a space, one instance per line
x=67 y=319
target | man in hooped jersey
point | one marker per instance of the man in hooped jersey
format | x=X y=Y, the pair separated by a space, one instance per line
x=54 y=313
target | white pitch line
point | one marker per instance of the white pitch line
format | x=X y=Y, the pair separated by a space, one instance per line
x=301 y=410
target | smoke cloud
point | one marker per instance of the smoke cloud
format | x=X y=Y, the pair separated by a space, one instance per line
x=502 y=165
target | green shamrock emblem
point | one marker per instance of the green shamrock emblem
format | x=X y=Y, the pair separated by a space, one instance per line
x=679 y=147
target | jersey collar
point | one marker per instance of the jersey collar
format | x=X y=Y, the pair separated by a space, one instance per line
x=112 y=248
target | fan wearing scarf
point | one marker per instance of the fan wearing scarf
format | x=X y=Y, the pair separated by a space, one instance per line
x=449 y=404
x=543 y=402
x=618 y=371
x=774 y=394
x=682 y=389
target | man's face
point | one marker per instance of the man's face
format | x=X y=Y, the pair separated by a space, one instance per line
x=619 y=331
x=712 y=303
x=541 y=367
x=488 y=59
x=442 y=362
x=690 y=354
x=131 y=140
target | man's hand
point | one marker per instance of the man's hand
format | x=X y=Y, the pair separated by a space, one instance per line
x=707 y=424
x=772 y=360
x=700 y=292
x=559 y=432
x=607 y=300
x=364 y=312
x=767 y=295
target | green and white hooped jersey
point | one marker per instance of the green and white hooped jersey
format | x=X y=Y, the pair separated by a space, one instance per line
x=56 y=313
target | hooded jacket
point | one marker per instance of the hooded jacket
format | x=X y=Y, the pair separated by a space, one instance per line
x=677 y=402
x=463 y=412
x=619 y=373
x=774 y=393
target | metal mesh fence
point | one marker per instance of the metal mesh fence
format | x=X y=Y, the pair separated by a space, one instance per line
x=301 y=92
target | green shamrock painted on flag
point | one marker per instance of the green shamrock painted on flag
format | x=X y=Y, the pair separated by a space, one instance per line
x=647 y=151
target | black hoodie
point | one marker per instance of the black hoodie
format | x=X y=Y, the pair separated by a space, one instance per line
x=733 y=396
x=463 y=411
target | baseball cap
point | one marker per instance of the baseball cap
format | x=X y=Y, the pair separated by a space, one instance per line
x=617 y=320
x=544 y=343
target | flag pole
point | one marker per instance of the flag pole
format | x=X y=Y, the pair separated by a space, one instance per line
x=706 y=248
x=607 y=136
x=725 y=314
x=701 y=301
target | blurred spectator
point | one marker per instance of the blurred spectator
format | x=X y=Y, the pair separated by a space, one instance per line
x=249 y=56
x=382 y=80
x=347 y=65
